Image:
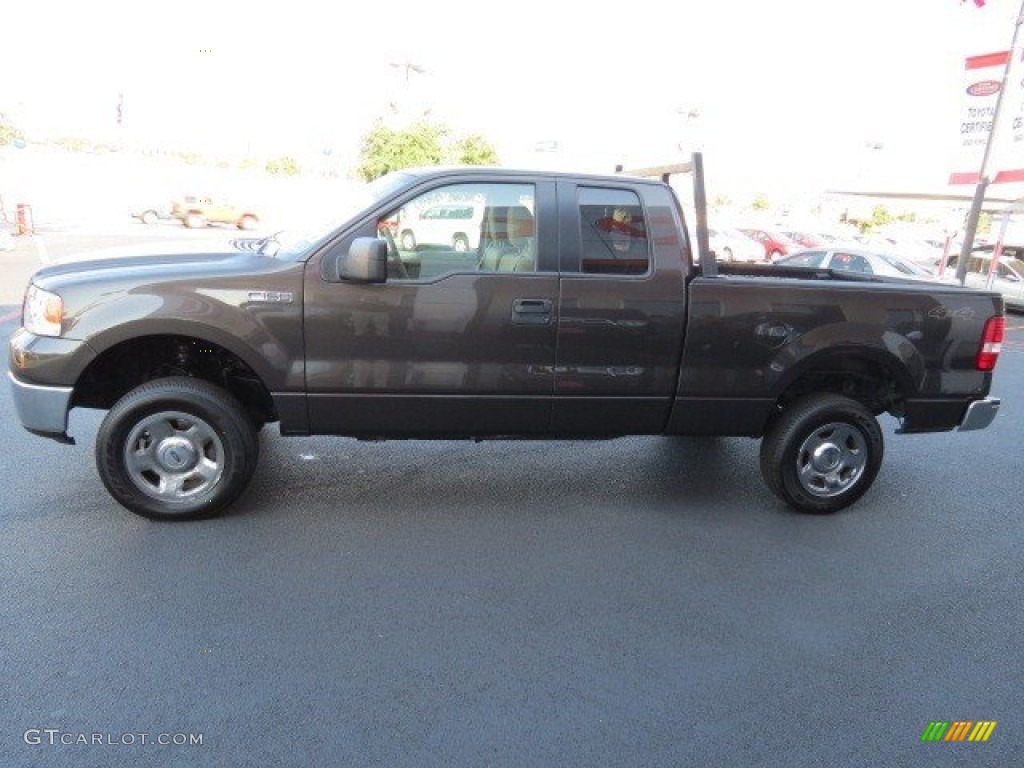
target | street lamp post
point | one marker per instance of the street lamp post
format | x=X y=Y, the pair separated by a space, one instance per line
x=409 y=68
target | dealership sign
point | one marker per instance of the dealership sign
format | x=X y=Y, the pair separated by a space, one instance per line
x=982 y=81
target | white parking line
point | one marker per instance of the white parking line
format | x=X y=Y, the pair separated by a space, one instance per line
x=44 y=255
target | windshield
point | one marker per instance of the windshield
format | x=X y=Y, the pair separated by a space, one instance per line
x=323 y=219
x=906 y=267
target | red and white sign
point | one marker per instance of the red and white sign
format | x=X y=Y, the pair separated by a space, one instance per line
x=980 y=88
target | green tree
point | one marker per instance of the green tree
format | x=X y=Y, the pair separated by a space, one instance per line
x=9 y=132
x=880 y=216
x=283 y=166
x=385 y=150
x=761 y=203
x=474 y=150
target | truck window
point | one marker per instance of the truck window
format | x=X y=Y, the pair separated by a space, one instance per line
x=613 y=232
x=486 y=227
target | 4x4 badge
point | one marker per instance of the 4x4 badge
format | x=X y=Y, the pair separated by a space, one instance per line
x=964 y=313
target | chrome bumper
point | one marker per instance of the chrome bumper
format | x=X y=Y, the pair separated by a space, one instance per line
x=42 y=410
x=980 y=414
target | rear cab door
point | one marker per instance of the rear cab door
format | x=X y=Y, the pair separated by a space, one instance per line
x=623 y=261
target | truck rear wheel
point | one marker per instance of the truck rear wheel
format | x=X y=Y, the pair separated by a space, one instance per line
x=822 y=453
x=176 y=449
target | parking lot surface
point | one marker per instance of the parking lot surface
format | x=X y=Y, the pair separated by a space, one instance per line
x=636 y=602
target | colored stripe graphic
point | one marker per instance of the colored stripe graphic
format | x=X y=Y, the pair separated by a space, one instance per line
x=982 y=730
x=958 y=730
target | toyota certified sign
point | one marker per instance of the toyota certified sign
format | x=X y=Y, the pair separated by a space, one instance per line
x=981 y=84
x=984 y=88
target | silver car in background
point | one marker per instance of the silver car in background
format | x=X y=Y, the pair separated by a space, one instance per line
x=860 y=262
x=1007 y=280
x=733 y=245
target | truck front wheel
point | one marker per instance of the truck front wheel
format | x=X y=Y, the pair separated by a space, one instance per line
x=822 y=453
x=176 y=449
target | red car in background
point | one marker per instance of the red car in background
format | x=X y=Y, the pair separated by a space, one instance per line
x=805 y=239
x=776 y=245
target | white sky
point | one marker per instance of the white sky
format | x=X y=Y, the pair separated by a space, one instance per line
x=788 y=91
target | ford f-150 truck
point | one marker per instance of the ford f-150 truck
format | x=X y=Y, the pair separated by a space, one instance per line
x=580 y=311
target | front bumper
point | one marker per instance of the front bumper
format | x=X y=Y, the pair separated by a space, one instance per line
x=43 y=410
x=980 y=414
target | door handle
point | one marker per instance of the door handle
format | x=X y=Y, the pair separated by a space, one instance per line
x=531 y=311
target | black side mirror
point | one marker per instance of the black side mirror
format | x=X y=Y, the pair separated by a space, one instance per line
x=365 y=262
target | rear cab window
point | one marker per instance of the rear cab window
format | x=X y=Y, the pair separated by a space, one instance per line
x=613 y=232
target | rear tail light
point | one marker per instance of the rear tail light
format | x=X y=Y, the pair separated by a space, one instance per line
x=991 y=343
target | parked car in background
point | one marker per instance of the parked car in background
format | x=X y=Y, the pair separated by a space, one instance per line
x=196 y=211
x=915 y=249
x=1008 y=279
x=805 y=239
x=863 y=262
x=152 y=214
x=451 y=225
x=732 y=245
x=775 y=244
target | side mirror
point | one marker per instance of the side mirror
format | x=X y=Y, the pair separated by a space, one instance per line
x=365 y=262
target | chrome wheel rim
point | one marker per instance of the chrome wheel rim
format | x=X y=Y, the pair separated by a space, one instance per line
x=174 y=457
x=831 y=460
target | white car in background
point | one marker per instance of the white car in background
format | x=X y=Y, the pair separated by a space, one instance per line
x=1008 y=279
x=732 y=245
x=451 y=225
x=860 y=262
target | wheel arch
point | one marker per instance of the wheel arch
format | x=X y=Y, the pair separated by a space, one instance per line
x=872 y=376
x=123 y=364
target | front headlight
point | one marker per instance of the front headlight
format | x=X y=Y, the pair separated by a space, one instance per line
x=42 y=312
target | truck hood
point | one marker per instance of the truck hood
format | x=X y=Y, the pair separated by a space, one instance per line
x=162 y=293
x=153 y=267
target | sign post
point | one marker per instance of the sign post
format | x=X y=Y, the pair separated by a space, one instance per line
x=983 y=179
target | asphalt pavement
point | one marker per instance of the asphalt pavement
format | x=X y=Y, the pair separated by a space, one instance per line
x=636 y=602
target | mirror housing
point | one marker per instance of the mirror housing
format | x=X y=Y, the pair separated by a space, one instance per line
x=365 y=262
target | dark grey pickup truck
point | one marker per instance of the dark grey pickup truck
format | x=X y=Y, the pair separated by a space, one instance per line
x=490 y=303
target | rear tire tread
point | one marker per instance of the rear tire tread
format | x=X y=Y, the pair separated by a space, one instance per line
x=793 y=425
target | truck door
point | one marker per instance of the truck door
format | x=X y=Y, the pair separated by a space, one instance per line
x=621 y=307
x=460 y=340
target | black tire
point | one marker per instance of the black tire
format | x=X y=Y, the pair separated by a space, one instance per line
x=460 y=243
x=204 y=459
x=195 y=221
x=408 y=241
x=822 y=453
x=248 y=222
x=727 y=253
x=149 y=217
x=774 y=256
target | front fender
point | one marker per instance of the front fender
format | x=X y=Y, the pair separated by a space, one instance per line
x=265 y=334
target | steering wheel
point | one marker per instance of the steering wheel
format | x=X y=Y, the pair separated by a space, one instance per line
x=394 y=257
